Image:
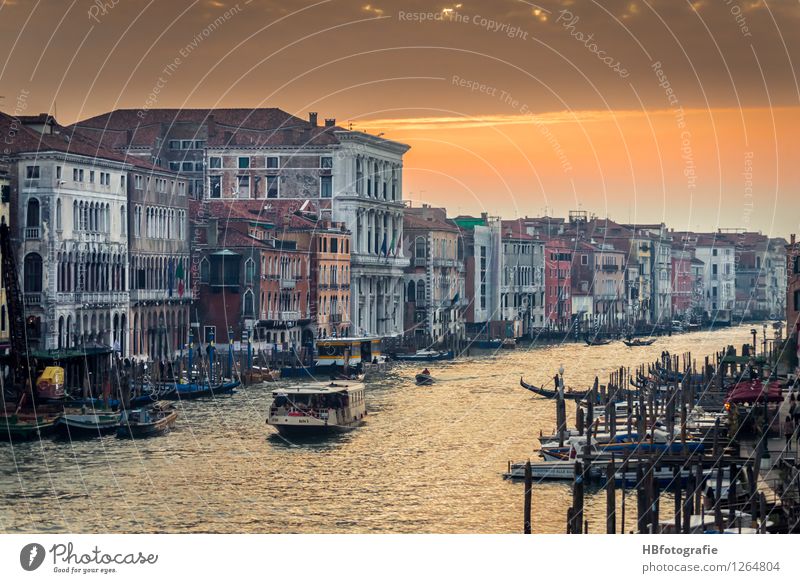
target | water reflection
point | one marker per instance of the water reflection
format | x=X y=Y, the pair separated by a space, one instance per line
x=428 y=459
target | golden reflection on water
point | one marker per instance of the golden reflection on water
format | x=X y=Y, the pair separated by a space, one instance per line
x=429 y=459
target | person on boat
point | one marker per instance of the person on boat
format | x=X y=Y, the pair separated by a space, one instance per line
x=426 y=372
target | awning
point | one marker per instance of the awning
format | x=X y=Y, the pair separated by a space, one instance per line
x=755 y=392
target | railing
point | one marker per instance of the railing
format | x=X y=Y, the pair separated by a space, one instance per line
x=31 y=232
x=33 y=299
x=288 y=283
x=419 y=262
x=364 y=259
x=610 y=267
x=288 y=315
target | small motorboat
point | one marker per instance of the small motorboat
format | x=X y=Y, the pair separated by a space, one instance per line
x=147 y=421
x=264 y=374
x=22 y=426
x=424 y=379
x=639 y=342
x=87 y=423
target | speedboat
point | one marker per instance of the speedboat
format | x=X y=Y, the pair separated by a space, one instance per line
x=426 y=356
x=318 y=408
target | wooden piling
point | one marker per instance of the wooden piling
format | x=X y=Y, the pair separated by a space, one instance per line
x=528 y=487
x=611 y=499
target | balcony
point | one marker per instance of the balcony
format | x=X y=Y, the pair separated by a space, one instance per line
x=32 y=232
x=610 y=267
x=335 y=318
x=288 y=283
x=419 y=262
x=363 y=259
x=161 y=295
x=288 y=315
x=33 y=299
x=105 y=298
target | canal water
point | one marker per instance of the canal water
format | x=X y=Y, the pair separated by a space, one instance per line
x=428 y=460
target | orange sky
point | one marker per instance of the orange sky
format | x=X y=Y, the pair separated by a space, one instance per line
x=460 y=90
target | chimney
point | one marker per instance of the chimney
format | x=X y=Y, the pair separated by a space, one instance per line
x=793 y=238
x=330 y=122
x=312 y=118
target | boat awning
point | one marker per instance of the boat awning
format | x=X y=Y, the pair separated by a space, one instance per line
x=755 y=392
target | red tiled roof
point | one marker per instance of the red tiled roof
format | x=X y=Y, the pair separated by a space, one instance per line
x=254 y=127
x=23 y=139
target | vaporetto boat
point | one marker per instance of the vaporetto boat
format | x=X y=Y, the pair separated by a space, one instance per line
x=318 y=408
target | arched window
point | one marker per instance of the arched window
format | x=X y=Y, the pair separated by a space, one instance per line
x=33 y=273
x=33 y=213
x=247 y=303
x=412 y=292
x=58 y=214
x=123 y=220
x=249 y=270
x=421 y=292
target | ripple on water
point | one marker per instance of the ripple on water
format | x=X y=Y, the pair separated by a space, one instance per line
x=427 y=459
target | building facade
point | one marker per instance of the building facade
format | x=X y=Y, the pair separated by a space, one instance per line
x=434 y=280
x=157 y=228
x=68 y=212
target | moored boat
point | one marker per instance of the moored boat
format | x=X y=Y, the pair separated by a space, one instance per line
x=87 y=423
x=147 y=421
x=597 y=341
x=196 y=390
x=21 y=426
x=318 y=408
x=426 y=356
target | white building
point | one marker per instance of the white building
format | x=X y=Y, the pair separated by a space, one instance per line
x=69 y=200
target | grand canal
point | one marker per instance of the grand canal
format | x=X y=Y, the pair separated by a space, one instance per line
x=429 y=459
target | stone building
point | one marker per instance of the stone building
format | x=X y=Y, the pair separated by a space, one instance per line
x=68 y=207
x=435 y=293
x=5 y=195
x=522 y=294
x=266 y=153
x=158 y=247
x=793 y=290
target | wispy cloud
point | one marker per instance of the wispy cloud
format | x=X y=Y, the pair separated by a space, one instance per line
x=451 y=122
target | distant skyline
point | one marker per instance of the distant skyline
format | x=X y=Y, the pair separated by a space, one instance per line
x=645 y=111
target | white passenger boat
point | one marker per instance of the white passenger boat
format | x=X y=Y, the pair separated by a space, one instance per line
x=318 y=408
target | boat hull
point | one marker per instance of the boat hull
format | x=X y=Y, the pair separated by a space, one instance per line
x=15 y=429
x=424 y=380
x=152 y=429
x=86 y=425
x=294 y=430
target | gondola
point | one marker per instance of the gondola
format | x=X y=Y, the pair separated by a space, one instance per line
x=638 y=342
x=597 y=341
x=551 y=393
x=424 y=379
x=202 y=389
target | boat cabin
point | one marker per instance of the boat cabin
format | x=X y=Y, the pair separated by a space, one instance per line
x=346 y=351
